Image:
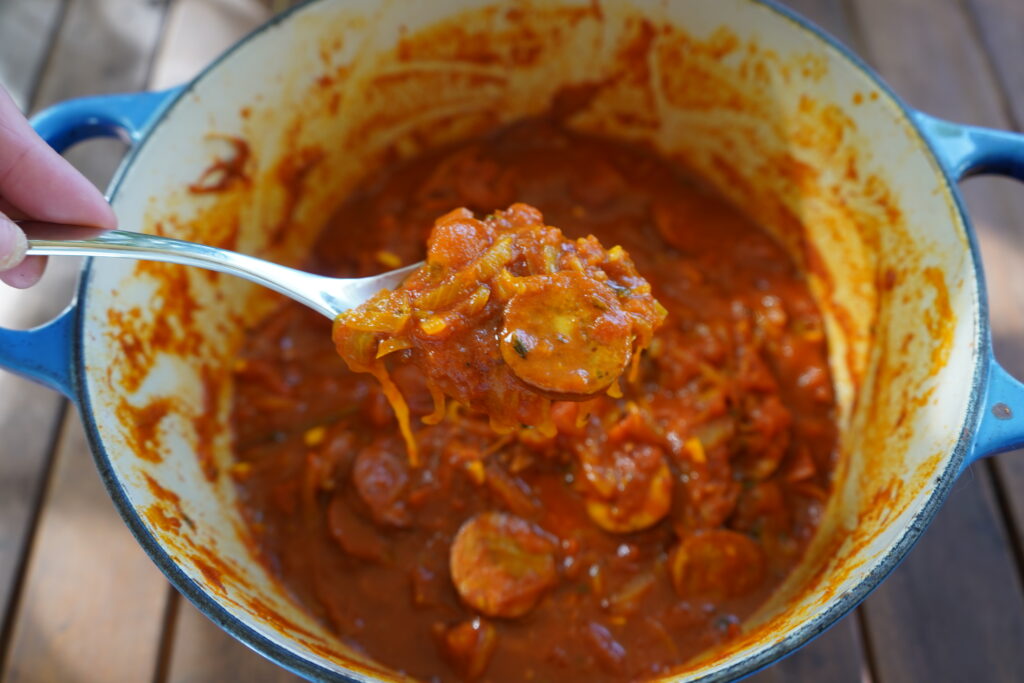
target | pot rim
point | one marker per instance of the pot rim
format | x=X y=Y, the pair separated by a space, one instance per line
x=782 y=648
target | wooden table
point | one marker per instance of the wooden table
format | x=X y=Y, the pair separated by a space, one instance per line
x=79 y=600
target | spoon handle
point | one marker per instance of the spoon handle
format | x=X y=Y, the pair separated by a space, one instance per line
x=328 y=296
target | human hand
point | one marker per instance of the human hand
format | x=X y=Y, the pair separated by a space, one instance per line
x=39 y=184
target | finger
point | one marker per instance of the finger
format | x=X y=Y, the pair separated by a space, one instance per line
x=41 y=183
x=57 y=231
x=12 y=244
x=26 y=273
x=11 y=211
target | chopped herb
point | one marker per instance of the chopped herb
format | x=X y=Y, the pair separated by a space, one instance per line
x=621 y=291
x=519 y=347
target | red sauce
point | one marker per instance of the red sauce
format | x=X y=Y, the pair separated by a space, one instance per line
x=224 y=171
x=638 y=534
x=505 y=316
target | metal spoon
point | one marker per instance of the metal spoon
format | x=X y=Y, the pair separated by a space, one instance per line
x=327 y=295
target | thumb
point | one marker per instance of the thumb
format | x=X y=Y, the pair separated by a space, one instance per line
x=16 y=270
x=12 y=244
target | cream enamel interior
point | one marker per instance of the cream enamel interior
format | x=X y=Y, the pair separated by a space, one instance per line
x=757 y=105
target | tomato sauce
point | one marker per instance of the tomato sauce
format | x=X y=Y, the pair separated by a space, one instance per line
x=505 y=316
x=639 y=532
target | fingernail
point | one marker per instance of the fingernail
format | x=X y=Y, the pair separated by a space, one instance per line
x=13 y=244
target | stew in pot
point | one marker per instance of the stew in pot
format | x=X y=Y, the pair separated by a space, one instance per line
x=637 y=529
x=505 y=315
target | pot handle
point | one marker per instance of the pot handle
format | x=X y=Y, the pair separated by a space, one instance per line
x=966 y=151
x=127 y=116
x=43 y=354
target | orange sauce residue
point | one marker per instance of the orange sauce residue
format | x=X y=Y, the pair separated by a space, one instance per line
x=209 y=572
x=143 y=424
x=136 y=354
x=169 y=498
x=224 y=172
x=160 y=492
x=939 y=318
x=174 y=306
x=292 y=173
x=206 y=420
x=274 y=618
x=161 y=520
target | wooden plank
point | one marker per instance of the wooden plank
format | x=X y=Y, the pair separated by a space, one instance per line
x=105 y=46
x=952 y=611
x=27 y=426
x=1000 y=24
x=91 y=606
x=836 y=656
x=30 y=415
x=26 y=29
x=203 y=653
x=831 y=15
x=955 y=609
x=198 y=31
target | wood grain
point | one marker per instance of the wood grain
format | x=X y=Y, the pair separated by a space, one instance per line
x=955 y=610
x=27 y=427
x=26 y=31
x=198 y=31
x=91 y=604
x=836 y=656
x=104 y=46
x=831 y=15
x=952 y=612
x=203 y=653
x=1000 y=25
x=29 y=423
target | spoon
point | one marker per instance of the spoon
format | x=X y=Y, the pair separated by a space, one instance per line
x=326 y=295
